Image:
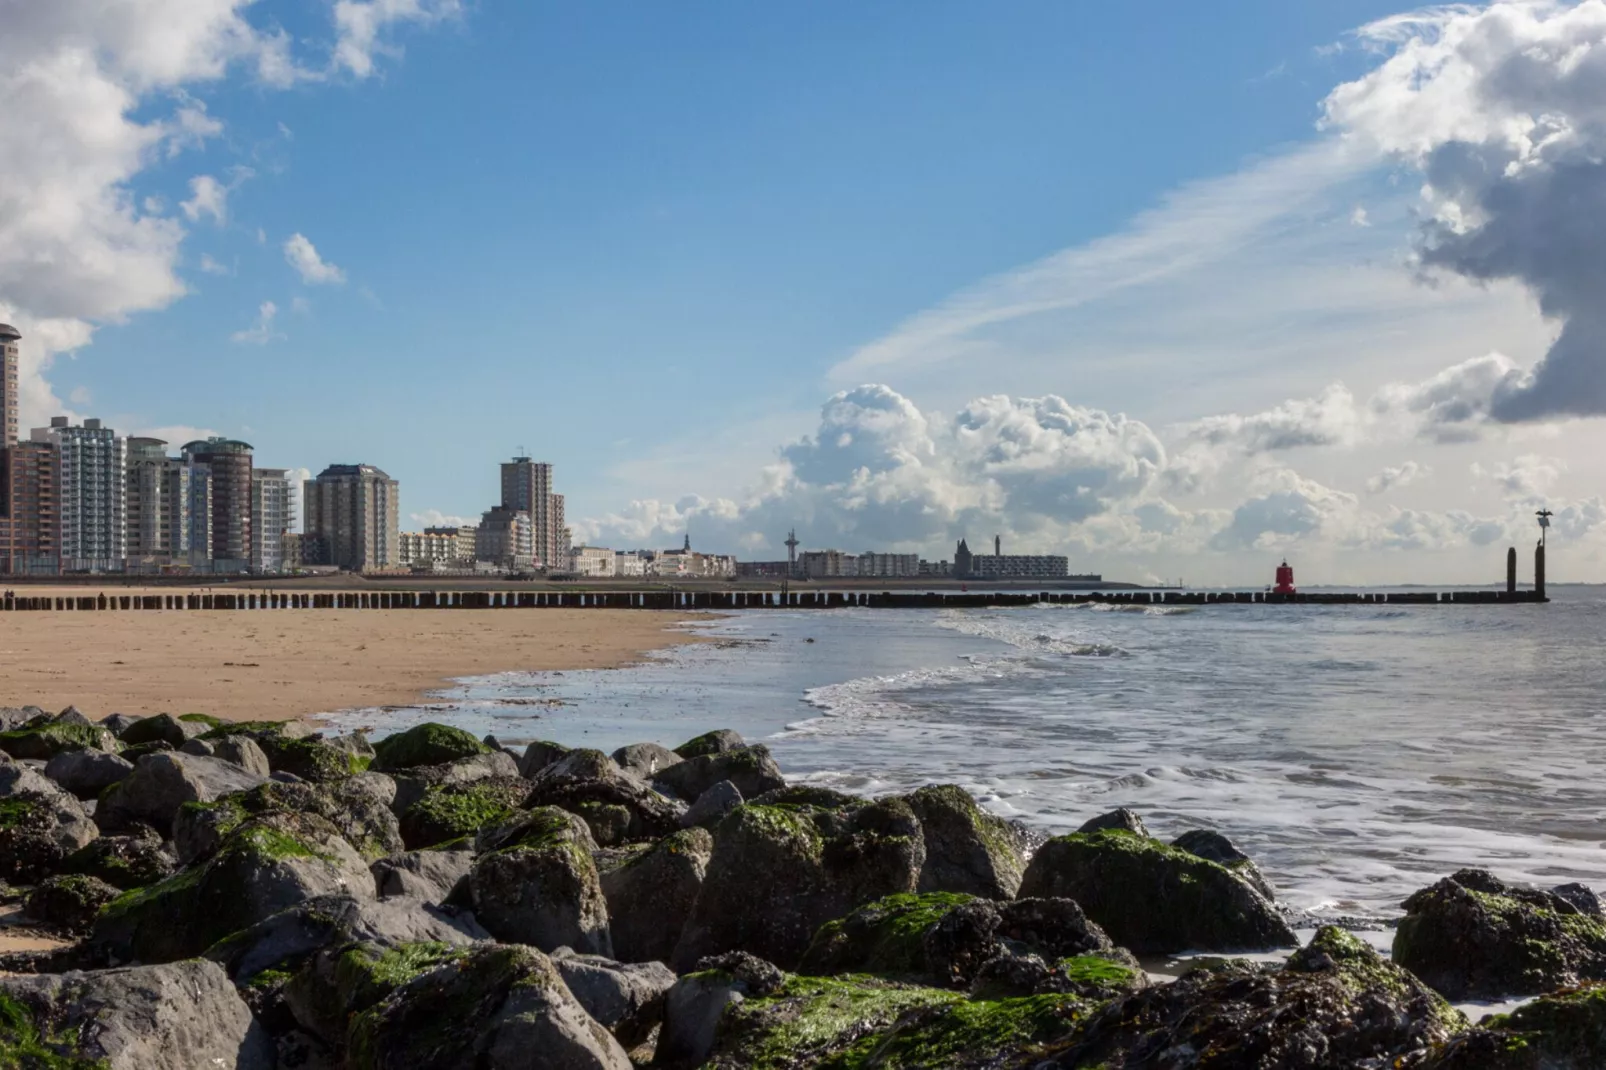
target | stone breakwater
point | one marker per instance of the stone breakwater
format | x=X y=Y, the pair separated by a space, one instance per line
x=260 y=896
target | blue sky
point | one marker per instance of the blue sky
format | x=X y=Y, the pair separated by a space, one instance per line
x=648 y=242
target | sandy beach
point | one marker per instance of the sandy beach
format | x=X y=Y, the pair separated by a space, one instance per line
x=293 y=663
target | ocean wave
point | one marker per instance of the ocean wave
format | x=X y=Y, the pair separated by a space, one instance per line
x=1118 y=607
x=875 y=698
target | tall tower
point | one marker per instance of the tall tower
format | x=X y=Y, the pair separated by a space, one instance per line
x=998 y=546
x=791 y=552
x=527 y=486
x=230 y=465
x=9 y=337
x=91 y=484
x=351 y=512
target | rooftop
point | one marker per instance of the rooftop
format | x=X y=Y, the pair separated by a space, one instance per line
x=8 y=333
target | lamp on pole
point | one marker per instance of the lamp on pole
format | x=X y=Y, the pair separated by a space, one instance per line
x=1544 y=516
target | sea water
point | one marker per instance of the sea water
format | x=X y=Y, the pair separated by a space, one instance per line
x=1357 y=753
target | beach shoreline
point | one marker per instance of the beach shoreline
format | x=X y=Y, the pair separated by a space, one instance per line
x=287 y=665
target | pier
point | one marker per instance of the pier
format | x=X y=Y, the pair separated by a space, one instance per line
x=249 y=601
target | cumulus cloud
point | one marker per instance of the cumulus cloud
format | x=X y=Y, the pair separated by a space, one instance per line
x=1527 y=477
x=96 y=94
x=1503 y=111
x=261 y=332
x=211 y=266
x=880 y=472
x=302 y=255
x=1328 y=419
x=1399 y=475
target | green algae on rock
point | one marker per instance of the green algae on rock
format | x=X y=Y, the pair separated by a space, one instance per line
x=1564 y=1030
x=425 y=744
x=451 y=811
x=1472 y=937
x=1155 y=899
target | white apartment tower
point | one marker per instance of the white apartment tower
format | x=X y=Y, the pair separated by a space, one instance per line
x=94 y=517
x=272 y=514
x=158 y=502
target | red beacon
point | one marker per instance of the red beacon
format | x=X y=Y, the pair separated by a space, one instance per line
x=1285 y=580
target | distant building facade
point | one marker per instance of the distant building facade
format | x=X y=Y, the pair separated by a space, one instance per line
x=591 y=561
x=9 y=357
x=158 y=504
x=834 y=564
x=463 y=541
x=505 y=539
x=93 y=517
x=1004 y=567
x=629 y=563
x=431 y=549
x=229 y=468
x=351 y=511
x=30 y=526
x=527 y=487
x=272 y=516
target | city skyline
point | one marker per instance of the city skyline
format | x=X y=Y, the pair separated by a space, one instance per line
x=1252 y=329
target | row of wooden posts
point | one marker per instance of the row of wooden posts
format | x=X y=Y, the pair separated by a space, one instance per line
x=684 y=600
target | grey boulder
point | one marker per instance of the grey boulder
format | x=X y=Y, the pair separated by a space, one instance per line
x=87 y=773
x=751 y=769
x=428 y=875
x=627 y=999
x=645 y=760
x=161 y=783
x=179 y=1016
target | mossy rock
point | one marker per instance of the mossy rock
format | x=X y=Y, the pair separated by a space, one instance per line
x=779 y=872
x=31 y=1042
x=255 y=729
x=1564 y=1030
x=69 y=902
x=1336 y=1003
x=1152 y=898
x=493 y=1006
x=342 y=982
x=453 y=811
x=46 y=741
x=856 y=1021
x=125 y=862
x=310 y=759
x=266 y=865
x=886 y=937
x=163 y=728
x=1472 y=937
x=367 y=825
x=651 y=890
x=205 y=719
x=425 y=744
x=38 y=829
x=967 y=849
x=535 y=882
x=715 y=742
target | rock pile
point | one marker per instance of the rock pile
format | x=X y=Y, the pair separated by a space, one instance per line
x=259 y=896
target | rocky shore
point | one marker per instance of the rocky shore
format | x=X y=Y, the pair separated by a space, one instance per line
x=258 y=896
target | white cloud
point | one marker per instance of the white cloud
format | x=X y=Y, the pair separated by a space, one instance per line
x=1398 y=475
x=434 y=518
x=359 y=25
x=302 y=255
x=211 y=266
x=208 y=197
x=1502 y=109
x=175 y=435
x=1329 y=419
x=79 y=396
x=97 y=93
x=1526 y=478
x=261 y=332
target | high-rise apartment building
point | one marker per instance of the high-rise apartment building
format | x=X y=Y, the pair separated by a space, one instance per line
x=229 y=467
x=30 y=527
x=158 y=501
x=527 y=486
x=92 y=484
x=9 y=337
x=351 y=512
x=272 y=514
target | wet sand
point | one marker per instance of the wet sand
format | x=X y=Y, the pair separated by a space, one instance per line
x=279 y=664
